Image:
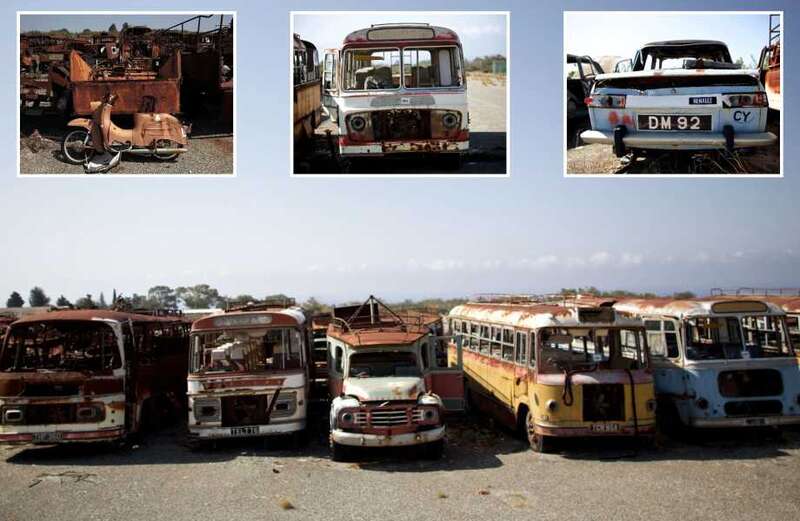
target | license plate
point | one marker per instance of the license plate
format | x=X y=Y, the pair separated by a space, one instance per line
x=756 y=421
x=47 y=437
x=244 y=431
x=679 y=123
x=605 y=427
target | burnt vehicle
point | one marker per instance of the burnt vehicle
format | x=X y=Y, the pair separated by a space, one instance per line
x=581 y=73
x=679 y=95
x=90 y=375
x=398 y=88
x=769 y=64
x=249 y=373
x=391 y=380
x=307 y=90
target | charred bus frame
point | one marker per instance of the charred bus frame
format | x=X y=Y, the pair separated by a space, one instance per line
x=89 y=375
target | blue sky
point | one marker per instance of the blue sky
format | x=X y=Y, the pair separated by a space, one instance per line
x=341 y=239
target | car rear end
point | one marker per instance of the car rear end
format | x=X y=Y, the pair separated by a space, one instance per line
x=700 y=109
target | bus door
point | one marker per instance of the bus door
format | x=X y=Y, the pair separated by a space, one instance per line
x=330 y=89
x=521 y=366
x=442 y=377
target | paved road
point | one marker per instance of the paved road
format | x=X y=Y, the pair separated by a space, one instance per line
x=210 y=152
x=485 y=474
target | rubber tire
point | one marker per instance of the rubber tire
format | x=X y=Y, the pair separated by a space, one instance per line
x=339 y=452
x=433 y=451
x=538 y=442
x=170 y=157
x=71 y=160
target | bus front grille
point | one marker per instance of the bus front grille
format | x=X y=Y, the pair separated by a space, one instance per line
x=603 y=402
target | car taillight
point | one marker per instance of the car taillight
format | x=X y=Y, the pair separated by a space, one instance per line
x=606 y=101
x=756 y=99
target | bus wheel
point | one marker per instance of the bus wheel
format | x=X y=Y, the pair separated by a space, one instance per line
x=433 y=450
x=539 y=442
x=339 y=452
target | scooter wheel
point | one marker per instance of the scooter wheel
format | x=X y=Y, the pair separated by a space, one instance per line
x=76 y=147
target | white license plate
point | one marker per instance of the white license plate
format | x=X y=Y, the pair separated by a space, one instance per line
x=605 y=427
x=681 y=123
x=244 y=431
x=47 y=437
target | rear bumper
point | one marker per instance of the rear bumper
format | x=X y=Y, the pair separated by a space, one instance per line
x=428 y=146
x=357 y=439
x=271 y=429
x=680 y=140
x=64 y=436
x=753 y=421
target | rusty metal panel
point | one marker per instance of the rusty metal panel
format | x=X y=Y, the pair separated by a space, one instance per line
x=134 y=96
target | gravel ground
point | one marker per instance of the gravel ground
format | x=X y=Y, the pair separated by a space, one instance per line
x=210 y=152
x=484 y=474
x=600 y=159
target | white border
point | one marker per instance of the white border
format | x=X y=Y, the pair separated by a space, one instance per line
x=188 y=14
x=565 y=174
x=507 y=173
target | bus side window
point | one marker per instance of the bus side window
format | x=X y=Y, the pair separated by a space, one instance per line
x=496 y=340
x=532 y=344
x=424 y=351
x=336 y=354
x=671 y=339
x=521 y=353
x=508 y=345
x=655 y=338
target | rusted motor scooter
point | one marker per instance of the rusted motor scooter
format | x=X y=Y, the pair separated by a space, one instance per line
x=98 y=142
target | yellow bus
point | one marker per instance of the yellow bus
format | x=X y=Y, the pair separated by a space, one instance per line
x=556 y=370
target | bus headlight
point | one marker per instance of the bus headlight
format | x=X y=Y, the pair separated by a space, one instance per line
x=346 y=418
x=13 y=415
x=551 y=405
x=207 y=409
x=445 y=124
x=90 y=412
x=426 y=415
x=651 y=405
x=449 y=120
x=701 y=403
x=358 y=123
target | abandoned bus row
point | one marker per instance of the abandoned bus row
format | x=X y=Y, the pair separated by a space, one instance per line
x=548 y=367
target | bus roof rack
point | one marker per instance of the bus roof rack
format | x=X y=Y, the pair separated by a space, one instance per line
x=755 y=292
x=262 y=305
x=524 y=298
x=409 y=24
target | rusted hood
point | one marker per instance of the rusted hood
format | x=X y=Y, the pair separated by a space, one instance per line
x=57 y=384
x=384 y=388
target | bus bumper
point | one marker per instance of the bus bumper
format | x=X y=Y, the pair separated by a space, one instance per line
x=199 y=432
x=644 y=429
x=442 y=146
x=40 y=436
x=358 y=439
x=680 y=140
x=756 y=421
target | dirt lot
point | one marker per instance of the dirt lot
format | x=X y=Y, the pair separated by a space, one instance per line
x=485 y=474
x=600 y=159
x=210 y=151
x=486 y=95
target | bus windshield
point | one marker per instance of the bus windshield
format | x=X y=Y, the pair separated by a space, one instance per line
x=566 y=349
x=384 y=363
x=726 y=338
x=250 y=350
x=89 y=346
x=422 y=68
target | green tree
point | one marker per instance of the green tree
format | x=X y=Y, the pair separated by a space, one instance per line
x=125 y=25
x=683 y=295
x=101 y=303
x=86 y=302
x=15 y=300
x=240 y=300
x=63 y=302
x=113 y=29
x=38 y=297
x=162 y=297
x=198 y=296
x=314 y=306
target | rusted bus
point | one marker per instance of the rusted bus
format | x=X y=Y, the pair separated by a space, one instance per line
x=89 y=375
x=390 y=379
x=769 y=64
x=721 y=361
x=398 y=88
x=556 y=369
x=249 y=373
x=307 y=89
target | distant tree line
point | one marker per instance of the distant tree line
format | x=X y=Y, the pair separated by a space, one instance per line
x=203 y=296
x=484 y=63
